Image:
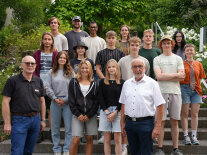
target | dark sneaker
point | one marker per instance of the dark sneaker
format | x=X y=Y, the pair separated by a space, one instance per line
x=159 y=152
x=187 y=140
x=195 y=140
x=176 y=152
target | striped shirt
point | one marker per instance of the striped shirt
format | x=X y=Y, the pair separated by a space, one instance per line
x=45 y=65
x=105 y=55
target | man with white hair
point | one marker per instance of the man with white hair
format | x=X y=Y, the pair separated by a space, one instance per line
x=23 y=97
x=140 y=98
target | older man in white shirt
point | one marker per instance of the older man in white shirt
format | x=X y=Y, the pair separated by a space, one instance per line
x=140 y=98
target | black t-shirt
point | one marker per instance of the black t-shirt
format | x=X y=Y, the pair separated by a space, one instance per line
x=109 y=94
x=25 y=95
x=105 y=55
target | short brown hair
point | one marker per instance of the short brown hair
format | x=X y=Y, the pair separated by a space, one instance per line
x=111 y=33
x=160 y=44
x=148 y=31
x=189 y=45
x=53 y=18
x=135 y=40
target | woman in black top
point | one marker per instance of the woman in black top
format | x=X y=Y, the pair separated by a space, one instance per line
x=179 y=44
x=109 y=93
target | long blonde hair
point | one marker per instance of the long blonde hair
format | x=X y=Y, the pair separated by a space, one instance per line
x=117 y=75
x=79 y=75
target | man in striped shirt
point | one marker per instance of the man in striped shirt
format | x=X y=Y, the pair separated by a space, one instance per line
x=111 y=52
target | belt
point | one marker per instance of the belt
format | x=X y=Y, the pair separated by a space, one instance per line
x=134 y=119
x=31 y=114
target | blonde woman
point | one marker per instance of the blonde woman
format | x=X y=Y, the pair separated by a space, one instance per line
x=109 y=93
x=83 y=104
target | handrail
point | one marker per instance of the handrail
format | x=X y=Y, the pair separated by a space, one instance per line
x=204 y=83
x=162 y=33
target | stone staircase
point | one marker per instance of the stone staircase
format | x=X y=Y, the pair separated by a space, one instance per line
x=45 y=148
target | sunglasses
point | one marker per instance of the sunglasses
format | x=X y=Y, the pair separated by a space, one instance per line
x=29 y=63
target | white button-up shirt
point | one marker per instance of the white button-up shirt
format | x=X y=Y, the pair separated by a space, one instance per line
x=141 y=98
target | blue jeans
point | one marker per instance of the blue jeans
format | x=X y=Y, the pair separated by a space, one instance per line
x=56 y=113
x=139 y=136
x=24 y=134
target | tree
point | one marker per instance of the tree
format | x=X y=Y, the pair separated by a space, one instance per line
x=109 y=14
x=28 y=13
x=2 y=14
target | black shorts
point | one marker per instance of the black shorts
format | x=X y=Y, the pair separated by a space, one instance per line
x=47 y=102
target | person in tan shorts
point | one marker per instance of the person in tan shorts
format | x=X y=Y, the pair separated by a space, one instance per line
x=169 y=70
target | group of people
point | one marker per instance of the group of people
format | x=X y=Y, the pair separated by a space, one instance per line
x=76 y=74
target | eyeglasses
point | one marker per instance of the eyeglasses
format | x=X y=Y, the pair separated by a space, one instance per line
x=139 y=66
x=93 y=27
x=29 y=63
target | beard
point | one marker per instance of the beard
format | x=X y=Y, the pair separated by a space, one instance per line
x=139 y=76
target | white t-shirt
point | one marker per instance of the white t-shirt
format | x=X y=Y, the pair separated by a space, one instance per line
x=169 y=64
x=61 y=42
x=125 y=66
x=94 y=44
x=84 y=89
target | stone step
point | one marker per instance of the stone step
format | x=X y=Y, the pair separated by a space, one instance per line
x=46 y=147
x=202 y=134
x=202 y=122
x=202 y=113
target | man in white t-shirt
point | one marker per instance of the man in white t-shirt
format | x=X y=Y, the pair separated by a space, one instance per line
x=125 y=62
x=169 y=70
x=60 y=41
x=94 y=42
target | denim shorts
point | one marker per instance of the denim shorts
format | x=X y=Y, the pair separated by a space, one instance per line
x=105 y=125
x=80 y=128
x=189 y=95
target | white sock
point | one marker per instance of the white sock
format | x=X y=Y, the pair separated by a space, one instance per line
x=124 y=146
x=185 y=133
x=194 y=133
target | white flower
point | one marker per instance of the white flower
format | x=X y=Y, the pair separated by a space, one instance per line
x=197 y=55
x=199 y=59
x=8 y=76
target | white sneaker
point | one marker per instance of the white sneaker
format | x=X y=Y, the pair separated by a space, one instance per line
x=101 y=140
x=125 y=152
x=57 y=153
x=66 y=153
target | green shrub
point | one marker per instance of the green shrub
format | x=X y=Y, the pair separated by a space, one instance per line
x=13 y=45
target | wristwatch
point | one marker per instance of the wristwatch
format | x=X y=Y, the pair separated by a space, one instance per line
x=44 y=120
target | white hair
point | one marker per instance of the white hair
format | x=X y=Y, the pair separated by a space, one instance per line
x=138 y=59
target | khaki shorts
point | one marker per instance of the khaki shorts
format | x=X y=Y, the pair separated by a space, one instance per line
x=89 y=127
x=172 y=106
